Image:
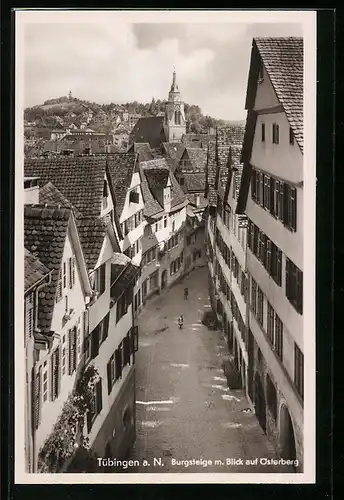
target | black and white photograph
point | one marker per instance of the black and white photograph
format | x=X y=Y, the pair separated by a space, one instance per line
x=165 y=173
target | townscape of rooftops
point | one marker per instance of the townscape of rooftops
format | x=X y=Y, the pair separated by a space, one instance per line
x=123 y=201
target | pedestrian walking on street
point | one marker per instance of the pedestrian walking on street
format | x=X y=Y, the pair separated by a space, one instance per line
x=186 y=293
x=180 y=321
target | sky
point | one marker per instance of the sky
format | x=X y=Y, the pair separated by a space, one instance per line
x=120 y=61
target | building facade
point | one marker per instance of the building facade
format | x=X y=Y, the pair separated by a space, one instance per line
x=271 y=196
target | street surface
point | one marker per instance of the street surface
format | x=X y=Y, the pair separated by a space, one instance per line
x=185 y=411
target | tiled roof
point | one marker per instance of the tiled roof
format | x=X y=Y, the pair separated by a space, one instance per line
x=153 y=174
x=197 y=140
x=149 y=129
x=197 y=157
x=217 y=167
x=143 y=149
x=157 y=177
x=283 y=61
x=173 y=150
x=79 y=178
x=92 y=232
x=122 y=276
x=45 y=231
x=121 y=167
x=34 y=270
x=194 y=182
x=50 y=195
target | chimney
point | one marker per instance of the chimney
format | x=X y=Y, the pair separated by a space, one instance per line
x=31 y=191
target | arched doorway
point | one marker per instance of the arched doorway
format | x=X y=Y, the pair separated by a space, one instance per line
x=287 y=437
x=259 y=401
x=163 y=279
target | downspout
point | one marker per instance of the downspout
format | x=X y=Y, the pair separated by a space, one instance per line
x=46 y=281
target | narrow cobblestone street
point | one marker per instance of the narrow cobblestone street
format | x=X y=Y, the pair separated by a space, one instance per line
x=185 y=410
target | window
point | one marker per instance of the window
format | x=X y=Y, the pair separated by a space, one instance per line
x=122 y=306
x=173 y=226
x=294 y=285
x=289 y=212
x=291 y=137
x=105 y=194
x=126 y=350
x=260 y=307
x=165 y=221
x=276 y=264
x=271 y=324
x=253 y=296
x=72 y=348
x=279 y=337
x=275 y=133
x=71 y=270
x=97 y=405
x=111 y=373
x=66 y=305
x=99 y=279
x=59 y=287
x=45 y=385
x=267 y=195
x=29 y=315
x=263 y=132
x=134 y=197
x=55 y=374
x=298 y=370
x=64 y=274
x=37 y=408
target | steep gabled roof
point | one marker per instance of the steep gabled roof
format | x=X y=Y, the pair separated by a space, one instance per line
x=153 y=174
x=217 y=167
x=197 y=140
x=50 y=195
x=45 y=232
x=173 y=150
x=34 y=270
x=149 y=129
x=197 y=158
x=283 y=61
x=79 y=178
x=121 y=168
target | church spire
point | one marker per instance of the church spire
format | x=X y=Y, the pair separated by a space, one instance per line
x=174 y=86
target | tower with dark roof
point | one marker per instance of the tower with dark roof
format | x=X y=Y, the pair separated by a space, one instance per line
x=174 y=120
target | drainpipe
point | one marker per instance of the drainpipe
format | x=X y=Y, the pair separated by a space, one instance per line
x=46 y=281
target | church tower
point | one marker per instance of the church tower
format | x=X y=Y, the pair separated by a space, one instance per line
x=174 y=121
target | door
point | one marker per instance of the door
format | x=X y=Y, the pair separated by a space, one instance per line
x=163 y=279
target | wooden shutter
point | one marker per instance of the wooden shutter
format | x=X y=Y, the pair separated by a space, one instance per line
x=299 y=290
x=55 y=374
x=70 y=283
x=102 y=274
x=70 y=352
x=272 y=196
x=95 y=342
x=108 y=370
x=285 y=207
x=293 y=194
x=287 y=276
x=37 y=395
x=59 y=287
x=29 y=309
x=99 y=398
x=73 y=270
x=118 y=362
x=106 y=326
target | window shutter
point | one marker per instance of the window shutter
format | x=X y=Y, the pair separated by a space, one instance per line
x=106 y=326
x=70 y=352
x=37 y=398
x=70 y=284
x=285 y=204
x=74 y=347
x=99 y=401
x=108 y=370
x=293 y=208
x=118 y=361
x=73 y=270
x=95 y=342
x=29 y=308
x=299 y=277
x=102 y=275
x=287 y=278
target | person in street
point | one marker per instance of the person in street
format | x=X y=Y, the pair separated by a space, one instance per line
x=186 y=293
x=180 y=321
